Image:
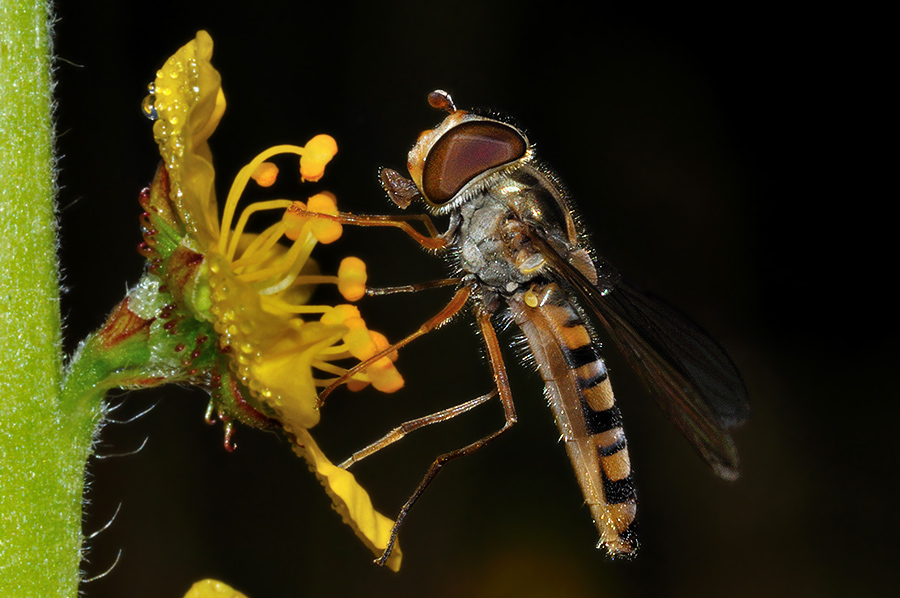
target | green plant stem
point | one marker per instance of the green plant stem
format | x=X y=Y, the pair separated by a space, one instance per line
x=43 y=448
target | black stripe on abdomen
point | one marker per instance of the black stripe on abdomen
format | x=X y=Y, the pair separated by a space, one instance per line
x=619 y=491
x=598 y=422
x=580 y=356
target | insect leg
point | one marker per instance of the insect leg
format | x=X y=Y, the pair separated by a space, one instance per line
x=451 y=309
x=407 y=427
x=432 y=241
x=412 y=288
x=501 y=384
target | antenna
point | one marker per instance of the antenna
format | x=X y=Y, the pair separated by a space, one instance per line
x=441 y=100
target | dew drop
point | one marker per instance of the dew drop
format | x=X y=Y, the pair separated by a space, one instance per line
x=148 y=107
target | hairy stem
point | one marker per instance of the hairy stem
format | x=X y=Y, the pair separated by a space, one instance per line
x=43 y=445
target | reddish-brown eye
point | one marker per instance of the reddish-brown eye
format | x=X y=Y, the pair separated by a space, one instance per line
x=466 y=151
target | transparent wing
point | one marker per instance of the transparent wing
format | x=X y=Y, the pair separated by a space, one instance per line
x=691 y=376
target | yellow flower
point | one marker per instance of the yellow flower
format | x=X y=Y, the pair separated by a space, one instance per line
x=251 y=289
x=210 y=588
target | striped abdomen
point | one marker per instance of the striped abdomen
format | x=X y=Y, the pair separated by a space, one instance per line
x=582 y=399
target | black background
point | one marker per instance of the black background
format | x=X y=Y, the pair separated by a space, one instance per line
x=726 y=159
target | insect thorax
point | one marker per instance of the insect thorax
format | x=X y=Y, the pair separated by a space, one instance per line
x=495 y=225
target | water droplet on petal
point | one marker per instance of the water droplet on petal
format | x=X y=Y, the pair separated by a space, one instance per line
x=148 y=107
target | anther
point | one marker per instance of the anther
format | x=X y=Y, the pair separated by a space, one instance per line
x=265 y=174
x=316 y=154
x=352 y=278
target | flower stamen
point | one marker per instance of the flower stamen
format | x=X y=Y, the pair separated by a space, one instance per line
x=289 y=265
x=318 y=156
x=325 y=230
x=274 y=204
x=319 y=152
x=265 y=174
x=352 y=278
x=290 y=308
x=259 y=248
x=336 y=370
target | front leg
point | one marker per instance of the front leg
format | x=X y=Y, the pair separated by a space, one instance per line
x=433 y=241
x=413 y=288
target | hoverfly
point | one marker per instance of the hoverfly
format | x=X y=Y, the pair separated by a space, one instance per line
x=519 y=250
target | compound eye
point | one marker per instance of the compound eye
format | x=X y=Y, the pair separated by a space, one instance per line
x=466 y=151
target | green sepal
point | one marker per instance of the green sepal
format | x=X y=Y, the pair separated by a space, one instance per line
x=232 y=401
x=161 y=226
x=186 y=276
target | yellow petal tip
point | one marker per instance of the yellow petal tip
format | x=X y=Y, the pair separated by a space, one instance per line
x=210 y=588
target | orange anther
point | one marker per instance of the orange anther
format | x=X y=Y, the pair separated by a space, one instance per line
x=294 y=218
x=354 y=385
x=325 y=231
x=352 y=278
x=265 y=174
x=382 y=342
x=359 y=341
x=388 y=380
x=340 y=314
x=317 y=153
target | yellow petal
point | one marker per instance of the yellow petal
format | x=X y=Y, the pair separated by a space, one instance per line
x=210 y=588
x=349 y=499
x=280 y=374
x=271 y=351
x=189 y=102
